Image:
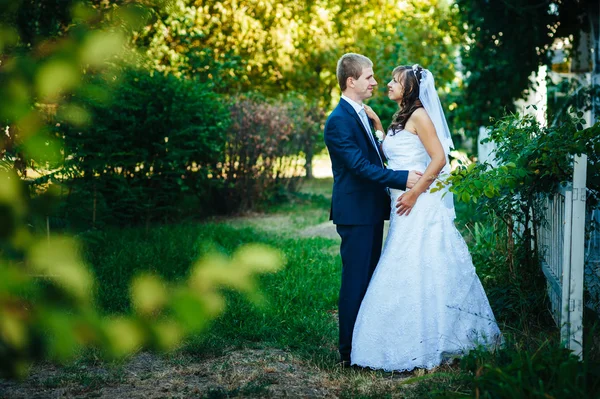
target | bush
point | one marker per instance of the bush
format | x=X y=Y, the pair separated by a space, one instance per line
x=548 y=372
x=263 y=152
x=534 y=160
x=160 y=138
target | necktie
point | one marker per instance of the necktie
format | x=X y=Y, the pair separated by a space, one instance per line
x=365 y=120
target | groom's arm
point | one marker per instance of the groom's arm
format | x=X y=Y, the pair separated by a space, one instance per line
x=342 y=144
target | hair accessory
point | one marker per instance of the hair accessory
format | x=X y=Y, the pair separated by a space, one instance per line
x=415 y=69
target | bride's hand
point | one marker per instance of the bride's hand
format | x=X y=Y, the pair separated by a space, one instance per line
x=373 y=116
x=370 y=113
x=406 y=202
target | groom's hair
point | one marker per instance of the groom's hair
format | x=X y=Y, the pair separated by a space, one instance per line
x=350 y=65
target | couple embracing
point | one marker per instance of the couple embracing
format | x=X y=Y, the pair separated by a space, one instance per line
x=418 y=303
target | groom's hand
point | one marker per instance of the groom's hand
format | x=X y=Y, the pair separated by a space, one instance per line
x=413 y=178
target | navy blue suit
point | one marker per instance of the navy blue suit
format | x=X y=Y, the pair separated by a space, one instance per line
x=359 y=206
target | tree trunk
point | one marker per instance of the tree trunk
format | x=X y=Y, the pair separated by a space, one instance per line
x=308 y=165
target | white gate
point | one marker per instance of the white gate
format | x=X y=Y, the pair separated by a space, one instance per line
x=561 y=243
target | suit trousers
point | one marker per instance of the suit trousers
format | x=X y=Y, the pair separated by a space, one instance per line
x=360 y=252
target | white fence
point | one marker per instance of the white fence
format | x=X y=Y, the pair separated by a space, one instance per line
x=561 y=243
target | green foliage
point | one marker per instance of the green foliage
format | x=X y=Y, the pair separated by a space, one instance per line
x=36 y=79
x=47 y=306
x=548 y=372
x=516 y=289
x=534 y=161
x=307 y=119
x=424 y=32
x=495 y=203
x=294 y=46
x=36 y=21
x=47 y=295
x=299 y=313
x=506 y=42
x=571 y=93
x=158 y=138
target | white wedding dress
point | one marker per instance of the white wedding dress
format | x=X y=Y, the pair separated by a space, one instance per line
x=424 y=304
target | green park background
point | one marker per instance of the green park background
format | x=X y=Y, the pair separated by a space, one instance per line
x=162 y=190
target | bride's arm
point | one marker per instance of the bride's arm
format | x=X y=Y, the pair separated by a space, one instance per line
x=431 y=142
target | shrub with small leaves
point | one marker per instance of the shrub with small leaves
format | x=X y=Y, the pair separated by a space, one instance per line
x=534 y=160
x=263 y=151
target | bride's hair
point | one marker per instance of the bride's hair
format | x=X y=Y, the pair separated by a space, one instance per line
x=409 y=77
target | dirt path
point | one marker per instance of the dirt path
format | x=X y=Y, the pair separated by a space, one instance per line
x=242 y=373
x=238 y=373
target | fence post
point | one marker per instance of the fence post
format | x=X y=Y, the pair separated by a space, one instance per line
x=575 y=281
x=565 y=235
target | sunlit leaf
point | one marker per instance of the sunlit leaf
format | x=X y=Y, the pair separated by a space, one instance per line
x=211 y=270
x=10 y=191
x=63 y=343
x=15 y=101
x=258 y=258
x=83 y=11
x=124 y=336
x=43 y=148
x=57 y=258
x=148 y=294
x=191 y=311
x=100 y=46
x=8 y=37
x=55 y=78
x=12 y=330
x=74 y=114
x=21 y=238
x=168 y=334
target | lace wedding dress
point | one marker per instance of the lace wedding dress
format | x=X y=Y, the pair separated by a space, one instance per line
x=424 y=304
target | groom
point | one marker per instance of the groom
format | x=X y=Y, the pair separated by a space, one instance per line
x=360 y=203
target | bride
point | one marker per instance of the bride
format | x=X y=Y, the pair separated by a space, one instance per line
x=424 y=304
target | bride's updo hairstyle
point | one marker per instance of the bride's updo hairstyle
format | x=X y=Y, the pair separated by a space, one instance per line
x=409 y=77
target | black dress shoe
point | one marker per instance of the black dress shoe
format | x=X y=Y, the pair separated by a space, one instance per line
x=347 y=365
x=344 y=361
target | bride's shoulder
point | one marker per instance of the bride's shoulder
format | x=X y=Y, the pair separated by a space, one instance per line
x=420 y=117
x=420 y=113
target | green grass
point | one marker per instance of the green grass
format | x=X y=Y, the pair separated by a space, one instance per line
x=116 y=256
x=297 y=312
x=298 y=298
x=296 y=315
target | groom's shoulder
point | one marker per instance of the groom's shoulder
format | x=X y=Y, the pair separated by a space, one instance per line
x=339 y=110
x=338 y=115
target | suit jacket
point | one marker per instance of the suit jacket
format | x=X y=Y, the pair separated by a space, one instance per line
x=359 y=178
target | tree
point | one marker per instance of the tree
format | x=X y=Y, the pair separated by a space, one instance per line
x=506 y=42
x=278 y=47
x=290 y=49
